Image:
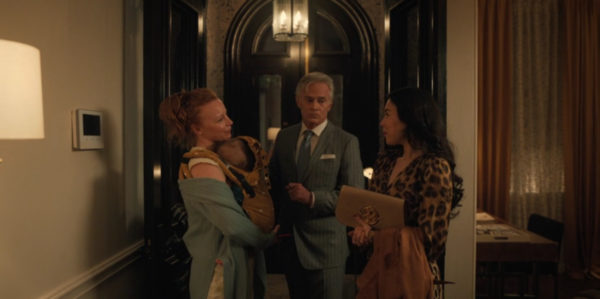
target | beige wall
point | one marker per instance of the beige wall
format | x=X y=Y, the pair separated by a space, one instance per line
x=462 y=130
x=63 y=211
x=221 y=14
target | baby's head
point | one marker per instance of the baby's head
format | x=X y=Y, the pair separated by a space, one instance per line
x=237 y=153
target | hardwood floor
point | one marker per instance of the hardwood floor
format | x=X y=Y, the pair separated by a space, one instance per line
x=577 y=288
x=568 y=288
x=277 y=287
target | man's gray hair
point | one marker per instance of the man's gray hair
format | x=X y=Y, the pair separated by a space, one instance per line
x=312 y=78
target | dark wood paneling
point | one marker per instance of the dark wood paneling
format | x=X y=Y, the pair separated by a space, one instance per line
x=174 y=59
x=341 y=42
x=416 y=47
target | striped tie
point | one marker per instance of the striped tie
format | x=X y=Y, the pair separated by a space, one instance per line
x=304 y=154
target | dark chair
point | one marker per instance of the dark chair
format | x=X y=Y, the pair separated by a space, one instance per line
x=552 y=230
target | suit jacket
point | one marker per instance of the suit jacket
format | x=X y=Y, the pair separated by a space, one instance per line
x=320 y=239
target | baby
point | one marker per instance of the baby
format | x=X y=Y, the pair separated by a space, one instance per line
x=236 y=152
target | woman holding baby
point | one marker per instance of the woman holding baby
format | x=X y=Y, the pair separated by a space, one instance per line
x=223 y=242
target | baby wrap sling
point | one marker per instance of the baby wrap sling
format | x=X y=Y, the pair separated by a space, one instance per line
x=254 y=184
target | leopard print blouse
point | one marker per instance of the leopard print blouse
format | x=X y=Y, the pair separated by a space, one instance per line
x=426 y=186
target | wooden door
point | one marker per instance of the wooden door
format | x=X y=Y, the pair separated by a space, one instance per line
x=174 y=59
x=416 y=47
x=261 y=74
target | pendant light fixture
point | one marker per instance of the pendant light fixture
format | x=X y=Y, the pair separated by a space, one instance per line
x=290 y=20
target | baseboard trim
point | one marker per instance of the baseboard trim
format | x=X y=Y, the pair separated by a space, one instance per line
x=88 y=280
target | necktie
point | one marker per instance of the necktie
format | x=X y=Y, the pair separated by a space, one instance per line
x=304 y=153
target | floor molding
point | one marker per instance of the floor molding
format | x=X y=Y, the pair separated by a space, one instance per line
x=88 y=280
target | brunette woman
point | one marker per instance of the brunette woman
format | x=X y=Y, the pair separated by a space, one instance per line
x=417 y=165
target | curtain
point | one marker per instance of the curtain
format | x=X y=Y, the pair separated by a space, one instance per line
x=494 y=105
x=582 y=137
x=537 y=172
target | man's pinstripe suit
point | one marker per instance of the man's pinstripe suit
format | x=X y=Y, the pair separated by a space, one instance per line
x=320 y=240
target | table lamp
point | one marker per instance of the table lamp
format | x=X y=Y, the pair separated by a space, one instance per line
x=21 y=110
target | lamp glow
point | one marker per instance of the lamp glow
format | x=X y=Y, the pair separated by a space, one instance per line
x=272 y=133
x=21 y=109
x=290 y=20
x=297 y=19
x=282 y=21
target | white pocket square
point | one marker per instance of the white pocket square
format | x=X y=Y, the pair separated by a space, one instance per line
x=327 y=156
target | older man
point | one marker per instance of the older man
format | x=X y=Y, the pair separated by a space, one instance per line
x=311 y=161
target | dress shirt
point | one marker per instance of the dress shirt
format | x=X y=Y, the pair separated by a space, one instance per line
x=313 y=140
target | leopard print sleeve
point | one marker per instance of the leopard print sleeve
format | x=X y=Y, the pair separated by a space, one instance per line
x=436 y=204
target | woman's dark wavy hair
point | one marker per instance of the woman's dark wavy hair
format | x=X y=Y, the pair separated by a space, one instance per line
x=426 y=130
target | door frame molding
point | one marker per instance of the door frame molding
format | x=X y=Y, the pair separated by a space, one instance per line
x=352 y=8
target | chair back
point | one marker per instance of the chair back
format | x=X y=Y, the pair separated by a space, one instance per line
x=546 y=227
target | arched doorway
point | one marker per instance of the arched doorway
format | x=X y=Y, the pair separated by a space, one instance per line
x=261 y=74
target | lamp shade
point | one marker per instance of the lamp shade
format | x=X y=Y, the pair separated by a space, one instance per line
x=272 y=133
x=21 y=110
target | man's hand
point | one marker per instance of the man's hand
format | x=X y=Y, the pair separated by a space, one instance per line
x=298 y=193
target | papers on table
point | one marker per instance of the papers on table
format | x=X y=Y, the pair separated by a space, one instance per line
x=483 y=216
x=499 y=232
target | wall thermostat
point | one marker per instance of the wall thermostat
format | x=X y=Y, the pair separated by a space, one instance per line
x=87 y=129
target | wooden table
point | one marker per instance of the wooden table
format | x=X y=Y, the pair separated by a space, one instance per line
x=499 y=241
x=500 y=244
